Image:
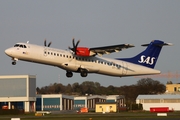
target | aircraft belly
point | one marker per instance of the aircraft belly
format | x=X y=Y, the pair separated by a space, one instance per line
x=141 y=70
x=91 y=67
x=111 y=71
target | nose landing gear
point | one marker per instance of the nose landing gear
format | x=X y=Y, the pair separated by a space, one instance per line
x=14 y=61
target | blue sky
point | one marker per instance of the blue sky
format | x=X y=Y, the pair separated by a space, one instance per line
x=95 y=23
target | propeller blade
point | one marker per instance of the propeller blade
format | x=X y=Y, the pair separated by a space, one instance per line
x=70 y=48
x=74 y=48
x=49 y=44
x=73 y=42
x=77 y=43
x=45 y=42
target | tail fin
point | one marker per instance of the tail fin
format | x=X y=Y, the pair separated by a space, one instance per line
x=149 y=56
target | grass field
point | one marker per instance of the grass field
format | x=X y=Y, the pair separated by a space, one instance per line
x=94 y=116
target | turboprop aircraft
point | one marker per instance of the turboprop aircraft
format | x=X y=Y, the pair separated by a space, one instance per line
x=85 y=60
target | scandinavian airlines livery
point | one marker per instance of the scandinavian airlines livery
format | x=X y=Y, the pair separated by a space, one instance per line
x=89 y=60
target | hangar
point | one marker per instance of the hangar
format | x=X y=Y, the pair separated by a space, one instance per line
x=54 y=102
x=119 y=99
x=18 y=91
x=172 y=101
x=80 y=102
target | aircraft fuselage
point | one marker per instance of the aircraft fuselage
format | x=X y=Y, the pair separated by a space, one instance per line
x=72 y=63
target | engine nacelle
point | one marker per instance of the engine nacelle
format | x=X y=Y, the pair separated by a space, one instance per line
x=83 y=51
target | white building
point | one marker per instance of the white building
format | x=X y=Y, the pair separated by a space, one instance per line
x=18 y=91
x=54 y=102
x=165 y=100
x=120 y=99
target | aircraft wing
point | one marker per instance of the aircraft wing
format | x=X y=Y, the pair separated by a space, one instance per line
x=110 y=49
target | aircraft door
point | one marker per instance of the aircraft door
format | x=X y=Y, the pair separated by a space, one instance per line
x=124 y=68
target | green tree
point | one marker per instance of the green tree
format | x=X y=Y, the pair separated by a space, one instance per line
x=150 y=86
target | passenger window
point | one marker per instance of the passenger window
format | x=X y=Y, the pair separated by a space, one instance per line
x=25 y=46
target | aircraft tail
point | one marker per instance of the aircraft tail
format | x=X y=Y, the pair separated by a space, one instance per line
x=149 y=56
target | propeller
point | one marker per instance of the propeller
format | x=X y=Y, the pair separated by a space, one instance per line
x=74 y=49
x=48 y=44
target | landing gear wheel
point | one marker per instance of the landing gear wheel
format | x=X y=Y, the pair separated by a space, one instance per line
x=84 y=73
x=69 y=74
x=14 y=63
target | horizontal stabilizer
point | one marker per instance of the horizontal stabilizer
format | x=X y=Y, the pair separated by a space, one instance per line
x=163 y=44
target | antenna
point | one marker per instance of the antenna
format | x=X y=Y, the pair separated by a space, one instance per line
x=59 y=78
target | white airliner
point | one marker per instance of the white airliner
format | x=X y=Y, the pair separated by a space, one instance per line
x=89 y=60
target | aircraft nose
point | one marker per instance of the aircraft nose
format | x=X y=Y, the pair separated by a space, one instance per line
x=8 y=51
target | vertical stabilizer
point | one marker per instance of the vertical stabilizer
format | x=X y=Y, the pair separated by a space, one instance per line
x=149 y=56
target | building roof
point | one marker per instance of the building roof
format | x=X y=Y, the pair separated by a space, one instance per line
x=54 y=96
x=164 y=96
x=96 y=96
x=106 y=103
x=16 y=76
x=114 y=96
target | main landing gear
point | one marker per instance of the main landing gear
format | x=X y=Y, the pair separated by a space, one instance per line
x=83 y=73
x=69 y=74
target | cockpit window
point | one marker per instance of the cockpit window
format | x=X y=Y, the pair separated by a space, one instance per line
x=16 y=45
x=20 y=45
